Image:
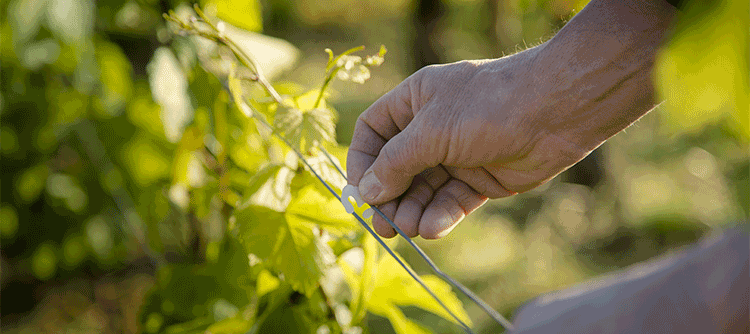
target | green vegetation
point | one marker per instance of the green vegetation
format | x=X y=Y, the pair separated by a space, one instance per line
x=142 y=191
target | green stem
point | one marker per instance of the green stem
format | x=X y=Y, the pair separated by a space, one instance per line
x=325 y=86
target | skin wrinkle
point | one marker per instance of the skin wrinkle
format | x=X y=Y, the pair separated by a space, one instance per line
x=497 y=183
x=404 y=121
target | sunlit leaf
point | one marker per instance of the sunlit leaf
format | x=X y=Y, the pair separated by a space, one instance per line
x=71 y=20
x=25 y=17
x=31 y=183
x=267 y=282
x=116 y=79
x=235 y=87
x=307 y=100
x=274 y=191
x=170 y=89
x=703 y=70
x=305 y=129
x=143 y=112
x=221 y=125
x=308 y=206
x=185 y=157
x=145 y=161
x=243 y=14
x=394 y=288
x=230 y=326
x=44 y=261
x=250 y=153
x=260 y=178
x=361 y=284
x=288 y=246
x=287 y=120
x=274 y=55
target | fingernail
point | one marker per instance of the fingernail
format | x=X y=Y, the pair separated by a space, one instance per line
x=444 y=222
x=446 y=225
x=370 y=187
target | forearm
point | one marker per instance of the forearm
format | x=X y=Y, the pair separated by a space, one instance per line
x=595 y=77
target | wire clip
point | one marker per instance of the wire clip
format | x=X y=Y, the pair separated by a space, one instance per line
x=353 y=191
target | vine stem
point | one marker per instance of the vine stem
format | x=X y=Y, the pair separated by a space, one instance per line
x=324 y=87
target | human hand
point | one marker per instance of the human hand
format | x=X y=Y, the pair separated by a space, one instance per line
x=449 y=137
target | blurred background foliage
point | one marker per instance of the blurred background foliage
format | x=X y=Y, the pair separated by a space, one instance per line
x=96 y=114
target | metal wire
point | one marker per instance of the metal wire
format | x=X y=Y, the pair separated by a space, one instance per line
x=481 y=303
x=368 y=228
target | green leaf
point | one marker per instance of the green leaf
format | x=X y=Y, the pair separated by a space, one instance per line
x=288 y=246
x=235 y=87
x=246 y=14
x=230 y=326
x=274 y=192
x=307 y=100
x=145 y=160
x=288 y=120
x=325 y=170
x=259 y=179
x=305 y=129
x=361 y=285
x=116 y=79
x=169 y=88
x=704 y=83
x=266 y=283
x=394 y=287
x=249 y=152
x=309 y=206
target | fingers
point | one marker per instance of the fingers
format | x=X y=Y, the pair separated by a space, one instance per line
x=452 y=202
x=416 y=199
x=480 y=180
x=380 y=225
x=426 y=212
x=389 y=147
x=403 y=156
x=375 y=126
x=410 y=206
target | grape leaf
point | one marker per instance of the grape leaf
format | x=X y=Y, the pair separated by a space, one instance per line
x=309 y=206
x=243 y=14
x=393 y=287
x=305 y=129
x=703 y=84
x=286 y=245
x=259 y=179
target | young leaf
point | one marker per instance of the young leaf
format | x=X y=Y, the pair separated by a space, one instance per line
x=305 y=129
x=244 y=14
x=274 y=193
x=334 y=61
x=361 y=285
x=394 y=288
x=259 y=179
x=285 y=245
x=309 y=206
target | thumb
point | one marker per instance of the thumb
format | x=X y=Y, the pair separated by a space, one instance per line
x=397 y=163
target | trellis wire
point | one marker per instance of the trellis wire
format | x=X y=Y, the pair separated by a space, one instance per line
x=481 y=303
x=364 y=224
